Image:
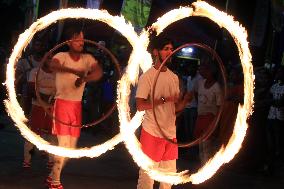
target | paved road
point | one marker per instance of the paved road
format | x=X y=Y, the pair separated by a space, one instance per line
x=113 y=170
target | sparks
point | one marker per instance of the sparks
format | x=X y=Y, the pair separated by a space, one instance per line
x=12 y=104
x=226 y=153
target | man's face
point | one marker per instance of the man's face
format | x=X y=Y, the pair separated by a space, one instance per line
x=165 y=52
x=204 y=70
x=77 y=44
x=38 y=47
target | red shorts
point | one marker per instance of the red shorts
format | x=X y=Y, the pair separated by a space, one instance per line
x=202 y=124
x=40 y=121
x=158 y=149
x=69 y=113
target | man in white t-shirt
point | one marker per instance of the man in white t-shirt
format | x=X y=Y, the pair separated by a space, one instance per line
x=167 y=102
x=73 y=69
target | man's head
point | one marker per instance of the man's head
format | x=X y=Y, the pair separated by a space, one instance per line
x=162 y=48
x=76 y=35
x=208 y=69
x=38 y=47
x=192 y=68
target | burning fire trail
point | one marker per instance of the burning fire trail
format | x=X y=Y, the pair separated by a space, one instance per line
x=140 y=57
x=226 y=153
x=12 y=104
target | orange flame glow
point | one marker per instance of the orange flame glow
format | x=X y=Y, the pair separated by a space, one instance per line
x=226 y=153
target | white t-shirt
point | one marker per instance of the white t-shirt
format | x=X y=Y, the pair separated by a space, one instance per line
x=277 y=91
x=24 y=66
x=46 y=82
x=208 y=99
x=65 y=82
x=167 y=85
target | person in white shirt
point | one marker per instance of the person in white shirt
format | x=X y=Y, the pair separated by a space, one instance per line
x=23 y=68
x=190 y=112
x=209 y=99
x=167 y=102
x=73 y=69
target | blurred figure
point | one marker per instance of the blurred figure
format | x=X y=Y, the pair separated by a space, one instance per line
x=209 y=99
x=235 y=95
x=39 y=121
x=253 y=154
x=275 y=121
x=23 y=68
x=190 y=113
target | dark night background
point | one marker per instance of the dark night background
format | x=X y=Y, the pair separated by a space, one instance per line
x=245 y=170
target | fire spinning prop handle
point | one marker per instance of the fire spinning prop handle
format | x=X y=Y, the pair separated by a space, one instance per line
x=48 y=108
x=213 y=125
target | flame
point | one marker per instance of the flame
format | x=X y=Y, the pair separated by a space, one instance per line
x=12 y=104
x=226 y=153
x=140 y=57
x=171 y=17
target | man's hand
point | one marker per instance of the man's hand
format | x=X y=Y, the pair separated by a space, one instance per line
x=181 y=104
x=79 y=81
x=79 y=73
x=188 y=97
x=174 y=98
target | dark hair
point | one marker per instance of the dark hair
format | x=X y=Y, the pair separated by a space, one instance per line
x=71 y=32
x=72 y=27
x=160 y=42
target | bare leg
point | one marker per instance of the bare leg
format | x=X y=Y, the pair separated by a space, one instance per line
x=52 y=140
x=169 y=166
x=144 y=181
x=63 y=141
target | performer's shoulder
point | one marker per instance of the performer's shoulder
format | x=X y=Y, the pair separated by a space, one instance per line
x=60 y=54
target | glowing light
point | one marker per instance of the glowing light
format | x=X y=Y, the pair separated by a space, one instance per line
x=140 y=57
x=226 y=153
x=12 y=104
x=187 y=50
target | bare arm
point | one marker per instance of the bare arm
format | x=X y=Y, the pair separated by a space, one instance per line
x=182 y=102
x=95 y=74
x=145 y=104
x=55 y=66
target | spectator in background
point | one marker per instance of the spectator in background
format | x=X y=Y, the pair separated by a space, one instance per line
x=209 y=99
x=235 y=95
x=39 y=121
x=23 y=68
x=275 y=122
x=253 y=153
x=190 y=113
